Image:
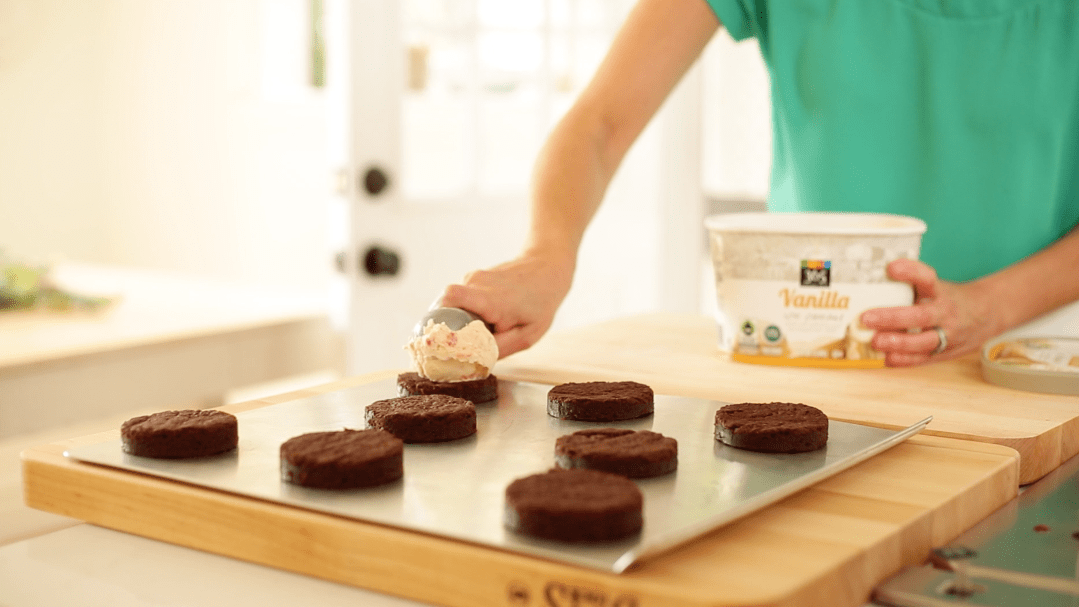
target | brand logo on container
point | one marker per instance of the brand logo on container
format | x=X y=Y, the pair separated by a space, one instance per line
x=816 y=273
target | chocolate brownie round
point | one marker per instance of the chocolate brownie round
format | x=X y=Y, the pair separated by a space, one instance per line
x=574 y=506
x=427 y=418
x=631 y=453
x=180 y=434
x=772 y=427
x=600 y=401
x=342 y=459
x=476 y=390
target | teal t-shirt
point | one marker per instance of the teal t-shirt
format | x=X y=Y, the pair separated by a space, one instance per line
x=964 y=113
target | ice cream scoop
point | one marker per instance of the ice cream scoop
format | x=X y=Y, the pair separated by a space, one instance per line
x=450 y=344
x=454 y=318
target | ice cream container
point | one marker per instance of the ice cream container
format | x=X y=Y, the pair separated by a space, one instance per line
x=1034 y=364
x=791 y=287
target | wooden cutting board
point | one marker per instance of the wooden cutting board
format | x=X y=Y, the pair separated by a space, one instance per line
x=827 y=545
x=678 y=354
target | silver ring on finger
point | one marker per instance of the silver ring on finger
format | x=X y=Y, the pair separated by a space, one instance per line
x=943 y=341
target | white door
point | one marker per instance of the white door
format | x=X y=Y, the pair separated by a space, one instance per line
x=446 y=105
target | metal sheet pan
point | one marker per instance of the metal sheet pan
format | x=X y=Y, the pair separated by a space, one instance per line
x=456 y=489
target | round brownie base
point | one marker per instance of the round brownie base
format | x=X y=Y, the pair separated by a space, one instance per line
x=344 y=459
x=772 y=427
x=630 y=453
x=574 y=506
x=476 y=390
x=427 y=418
x=180 y=434
x=600 y=401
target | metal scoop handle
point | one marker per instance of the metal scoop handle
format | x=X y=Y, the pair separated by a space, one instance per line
x=454 y=318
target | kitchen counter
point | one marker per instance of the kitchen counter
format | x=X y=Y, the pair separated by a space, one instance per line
x=166 y=341
x=827 y=545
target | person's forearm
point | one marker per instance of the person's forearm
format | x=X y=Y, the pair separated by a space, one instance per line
x=1036 y=285
x=568 y=185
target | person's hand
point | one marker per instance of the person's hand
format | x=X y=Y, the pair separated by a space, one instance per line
x=907 y=335
x=519 y=298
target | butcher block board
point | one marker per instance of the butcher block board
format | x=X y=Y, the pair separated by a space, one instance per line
x=678 y=354
x=826 y=545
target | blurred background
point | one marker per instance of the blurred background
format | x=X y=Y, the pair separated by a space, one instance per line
x=269 y=193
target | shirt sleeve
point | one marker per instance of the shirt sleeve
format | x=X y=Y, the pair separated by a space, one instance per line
x=737 y=16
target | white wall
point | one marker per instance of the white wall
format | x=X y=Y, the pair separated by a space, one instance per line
x=639 y=254
x=49 y=180
x=165 y=134
x=737 y=121
x=736 y=151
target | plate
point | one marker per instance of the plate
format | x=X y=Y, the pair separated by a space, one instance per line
x=1035 y=364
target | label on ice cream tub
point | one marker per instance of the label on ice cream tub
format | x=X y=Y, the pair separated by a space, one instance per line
x=779 y=323
x=791 y=288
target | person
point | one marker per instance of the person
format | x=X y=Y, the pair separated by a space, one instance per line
x=964 y=113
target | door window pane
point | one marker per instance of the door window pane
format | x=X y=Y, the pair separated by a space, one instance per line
x=439 y=14
x=486 y=81
x=511 y=51
x=437 y=147
x=510 y=135
x=510 y=14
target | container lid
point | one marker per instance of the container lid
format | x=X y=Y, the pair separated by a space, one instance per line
x=1034 y=364
x=817 y=223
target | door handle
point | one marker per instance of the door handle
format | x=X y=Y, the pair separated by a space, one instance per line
x=379 y=261
x=375 y=181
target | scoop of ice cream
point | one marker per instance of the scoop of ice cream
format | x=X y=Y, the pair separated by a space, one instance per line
x=442 y=354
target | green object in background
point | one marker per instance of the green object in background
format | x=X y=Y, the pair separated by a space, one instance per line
x=19 y=286
x=26 y=287
x=318 y=46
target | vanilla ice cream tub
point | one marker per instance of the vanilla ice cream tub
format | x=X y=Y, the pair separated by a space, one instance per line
x=791 y=287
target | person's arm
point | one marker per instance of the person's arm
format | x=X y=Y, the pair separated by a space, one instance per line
x=656 y=45
x=971 y=313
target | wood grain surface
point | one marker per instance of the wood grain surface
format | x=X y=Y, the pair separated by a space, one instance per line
x=827 y=545
x=679 y=354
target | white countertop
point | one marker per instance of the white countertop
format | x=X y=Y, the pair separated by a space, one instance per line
x=85 y=566
x=150 y=308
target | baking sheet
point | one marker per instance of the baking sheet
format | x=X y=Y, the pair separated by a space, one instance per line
x=455 y=489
